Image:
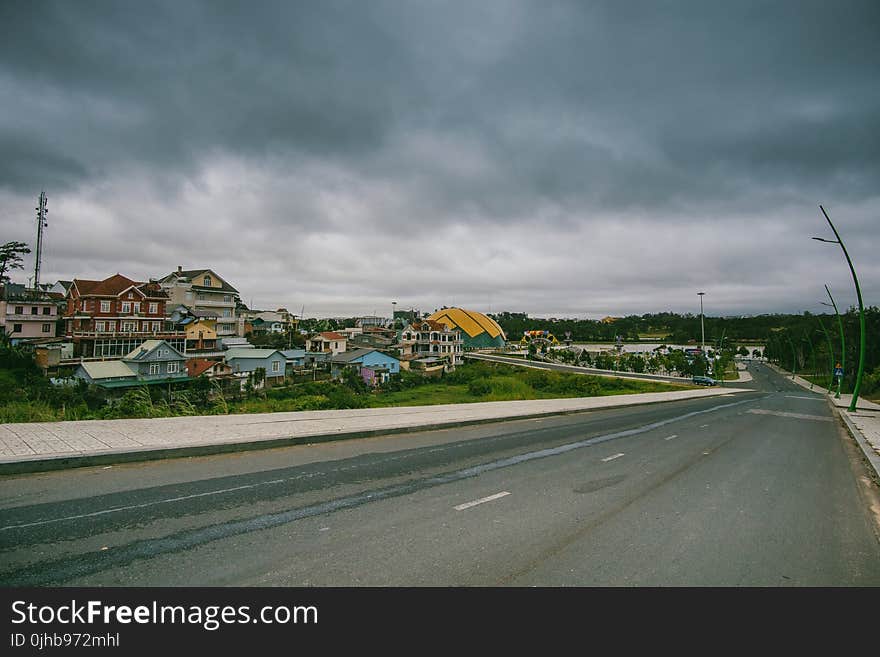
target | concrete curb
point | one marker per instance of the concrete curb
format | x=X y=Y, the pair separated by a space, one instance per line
x=867 y=449
x=64 y=461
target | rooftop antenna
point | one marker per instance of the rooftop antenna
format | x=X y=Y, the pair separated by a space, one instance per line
x=41 y=224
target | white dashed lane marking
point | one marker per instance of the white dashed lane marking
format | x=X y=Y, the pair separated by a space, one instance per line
x=482 y=500
x=611 y=458
x=798 y=416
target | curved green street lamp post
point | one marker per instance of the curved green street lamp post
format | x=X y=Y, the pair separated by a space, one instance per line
x=842 y=342
x=862 y=331
x=830 y=355
x=773 y=343
x=812 y=353
x=793 y=356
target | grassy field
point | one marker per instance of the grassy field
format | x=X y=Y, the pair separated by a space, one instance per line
x=510 y=384
x=471 y=382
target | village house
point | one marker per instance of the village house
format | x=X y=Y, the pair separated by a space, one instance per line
x=196 y=367
x=431 y=339
x=373 y=365
x=328 y=342
x=204 y=290
x=200 y=327
x=246 y=362
x=152 y=362
x=26 y=313
x=110 y=318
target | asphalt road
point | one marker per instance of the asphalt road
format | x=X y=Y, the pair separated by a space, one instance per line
x=753 y=489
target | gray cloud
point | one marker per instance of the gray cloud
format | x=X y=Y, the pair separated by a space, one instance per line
x=581 y=158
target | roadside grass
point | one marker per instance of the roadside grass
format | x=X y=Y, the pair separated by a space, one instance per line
x=434 y=393
x=472 y=382
x=534 y=384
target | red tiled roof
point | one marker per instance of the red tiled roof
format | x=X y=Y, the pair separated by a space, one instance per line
x=114 y=285
x=331 y=335
x=198 y=366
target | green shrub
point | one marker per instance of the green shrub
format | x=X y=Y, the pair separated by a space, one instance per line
x=479 y=388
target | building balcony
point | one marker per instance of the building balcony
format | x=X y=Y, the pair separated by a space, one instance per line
x=27 y=317
x=213 y=303
x=127 y=334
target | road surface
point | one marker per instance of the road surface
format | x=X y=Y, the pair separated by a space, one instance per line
x=755 y=489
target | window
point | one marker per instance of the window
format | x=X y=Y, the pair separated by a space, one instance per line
x=154 y=368
x=154 y=308
x=34 y=310
x=99 y=327
x=200 y=296
x=129 y=327
x=19 y=310
x=47 y=328
x=16 y=328
x=126 y=307
x=207 y=281
x=155 y=327
x=276 y=366
x=172 y=368
x=227 y=298
x=227 y=312
x=47 y=310
x=136 y=307
x=105 y=306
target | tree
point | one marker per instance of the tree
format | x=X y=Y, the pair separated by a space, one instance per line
x=10 y=258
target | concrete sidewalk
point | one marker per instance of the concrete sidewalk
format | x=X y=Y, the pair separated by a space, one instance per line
x=863 y=423
x=38 y=446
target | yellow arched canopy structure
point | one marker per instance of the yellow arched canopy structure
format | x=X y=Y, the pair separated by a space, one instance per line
x=478 y=330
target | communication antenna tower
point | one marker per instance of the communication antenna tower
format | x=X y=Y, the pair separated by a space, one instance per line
x=41 y=224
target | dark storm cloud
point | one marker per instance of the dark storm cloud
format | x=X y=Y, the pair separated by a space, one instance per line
x=188 y=78
x=607 y=128
x=699 y=90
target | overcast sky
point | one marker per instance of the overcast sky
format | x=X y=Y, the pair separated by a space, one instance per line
x=556 y=158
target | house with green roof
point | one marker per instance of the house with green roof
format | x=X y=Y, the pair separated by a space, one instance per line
x=156 y=359
x=153 y=362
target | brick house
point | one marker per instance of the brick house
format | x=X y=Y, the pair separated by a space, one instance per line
x=110 y=318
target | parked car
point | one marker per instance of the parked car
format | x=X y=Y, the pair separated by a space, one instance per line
x=704 y=381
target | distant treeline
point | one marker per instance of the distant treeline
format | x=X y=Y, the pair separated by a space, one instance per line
x=798 y=340
x=668 y=327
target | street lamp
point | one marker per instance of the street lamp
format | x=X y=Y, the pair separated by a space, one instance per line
x=830 y=350
x=862 y=331
x=812 y=352
x=702 y=329
x=793 y=356
x=842 y=341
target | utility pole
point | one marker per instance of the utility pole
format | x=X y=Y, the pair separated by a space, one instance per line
x=702 y=328
x=41 y=224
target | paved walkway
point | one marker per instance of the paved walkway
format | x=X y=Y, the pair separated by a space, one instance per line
x=863 y=423
x=50 y=445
